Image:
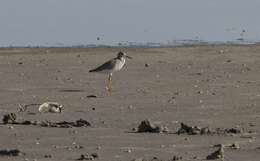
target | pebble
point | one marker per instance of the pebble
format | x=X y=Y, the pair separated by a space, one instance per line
x=130 y=107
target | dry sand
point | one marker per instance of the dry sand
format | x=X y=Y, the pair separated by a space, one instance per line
x=206 y=86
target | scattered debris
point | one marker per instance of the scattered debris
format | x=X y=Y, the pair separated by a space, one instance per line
x=53 y=107
x=219 y=154
x=233 y=130
x=88 y=156
x=47 y=156
x=65 y=124
x=196 y=130
x=68 y=147
x=12 y=152
x=92 y=96
x=175 y=158
x=147 y=126
x=232 y=146
x=193 y=130
x=11 y=119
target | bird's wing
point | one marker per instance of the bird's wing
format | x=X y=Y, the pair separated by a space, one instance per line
x=106 y=66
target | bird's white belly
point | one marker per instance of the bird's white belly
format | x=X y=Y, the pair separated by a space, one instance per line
x=119 y=65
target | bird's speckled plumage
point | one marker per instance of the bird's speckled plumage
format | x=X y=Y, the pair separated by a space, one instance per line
x=112 y=65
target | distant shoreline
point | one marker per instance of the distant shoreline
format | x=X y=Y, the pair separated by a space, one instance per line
x=173 y=43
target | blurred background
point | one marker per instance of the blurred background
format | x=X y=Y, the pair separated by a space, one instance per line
x=128 y=22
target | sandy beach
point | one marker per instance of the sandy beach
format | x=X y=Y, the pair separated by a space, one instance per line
x=215 y=86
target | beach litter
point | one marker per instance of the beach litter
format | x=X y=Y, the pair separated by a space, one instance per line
x=52 y=107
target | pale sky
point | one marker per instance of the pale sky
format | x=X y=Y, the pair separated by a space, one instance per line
x=75 y=22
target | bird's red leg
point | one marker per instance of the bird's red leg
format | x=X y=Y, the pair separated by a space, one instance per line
x=109 y=83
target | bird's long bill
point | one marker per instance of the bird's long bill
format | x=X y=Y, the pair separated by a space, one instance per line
x=128 y=57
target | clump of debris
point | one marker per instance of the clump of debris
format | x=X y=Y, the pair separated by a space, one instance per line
x=232 y=131
x=11 y=118
x=12 y=152
x=174 y=158
x=88 y=156
x=196 y=130
x=148 y=126
x=65 y=124
x=193 y=130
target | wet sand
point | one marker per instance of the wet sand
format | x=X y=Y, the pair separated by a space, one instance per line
x=205 y=86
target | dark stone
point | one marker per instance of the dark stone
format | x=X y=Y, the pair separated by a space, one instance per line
x=147 y=126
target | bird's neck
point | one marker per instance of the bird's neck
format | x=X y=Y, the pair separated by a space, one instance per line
x=121 y=59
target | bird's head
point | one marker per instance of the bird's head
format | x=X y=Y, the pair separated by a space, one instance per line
x=123 y=55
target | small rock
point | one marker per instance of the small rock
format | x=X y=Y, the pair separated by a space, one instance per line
x=235 y=146
x=219 y=154
x=221 y=51
x=81 y=122
x=147 y=65
x=130 y=107
x=228 y=61
x=134 y=129
x=10 y=127
x=78 y=147
x=200 y=92
x=129 y=151
x=147 y=126
x=165 y=129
